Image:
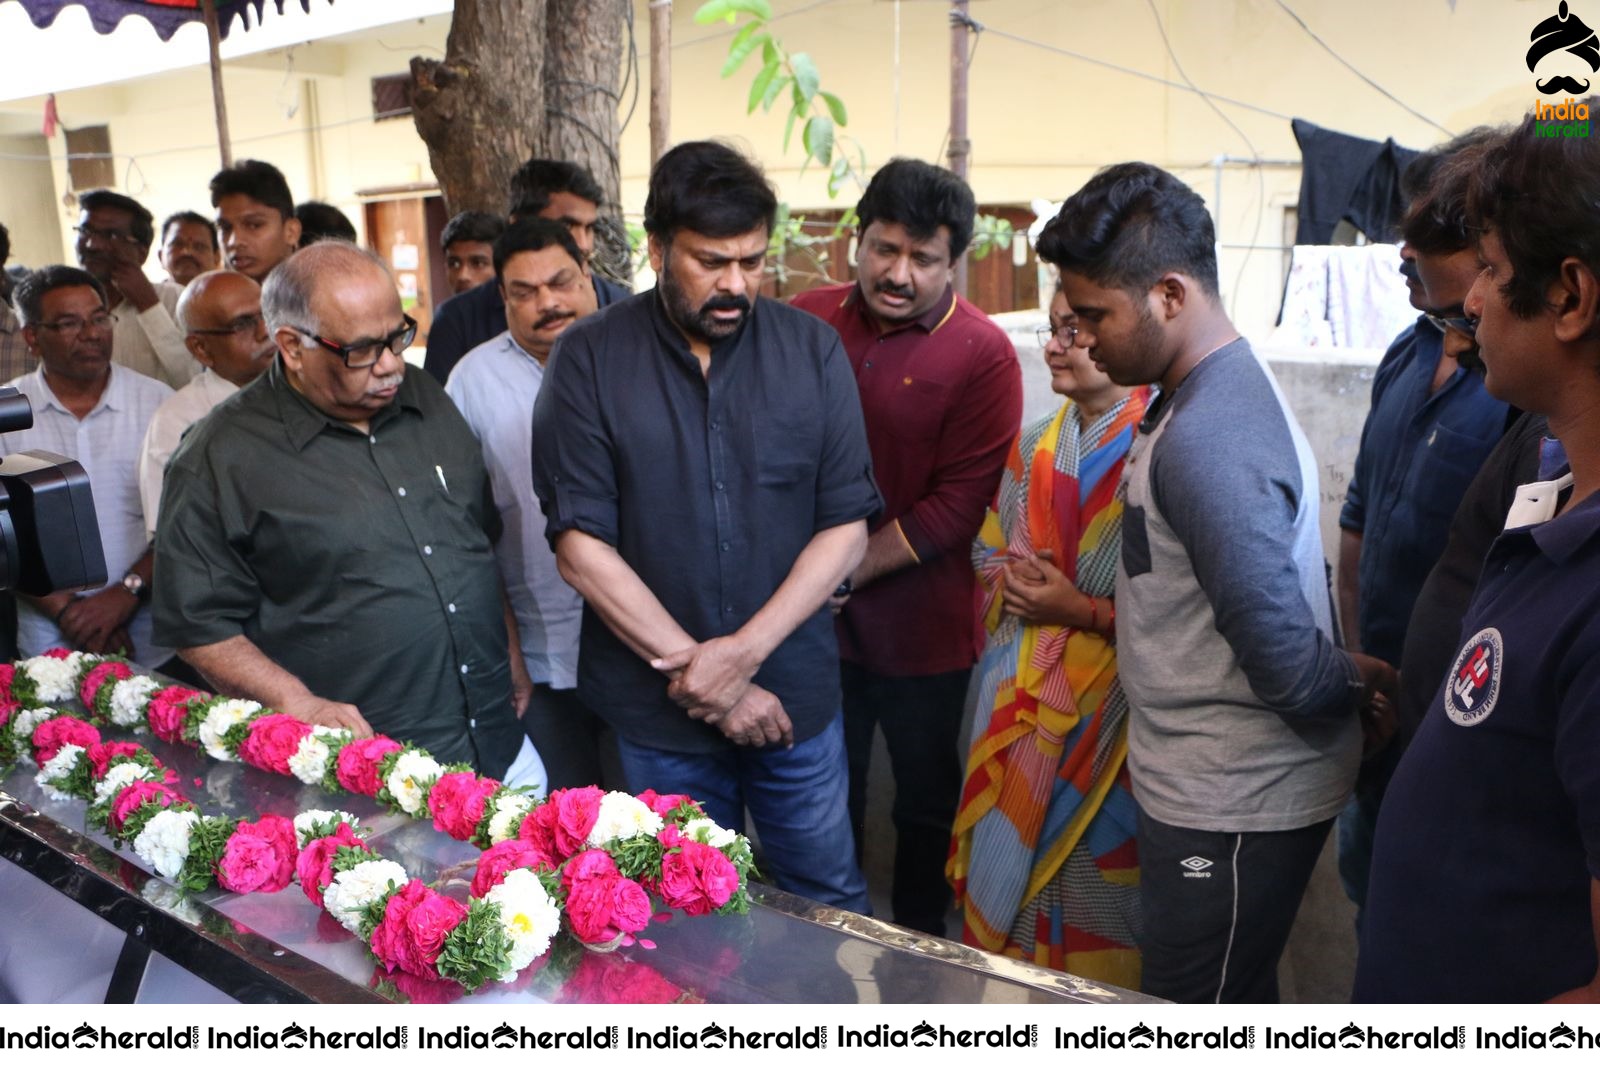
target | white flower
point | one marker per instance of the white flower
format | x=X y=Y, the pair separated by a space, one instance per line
x=528 y=915
x=708 y=832
x=351 y=891
x=59 y=766
x=413 y=775
x=56 y=680
x=119 y=778
x=164 y=841
x=310 y=761
x=509 y=811
x=622 y=815
x=223 y=716
x=130 y=698
x=22 y=728
x=307 y=819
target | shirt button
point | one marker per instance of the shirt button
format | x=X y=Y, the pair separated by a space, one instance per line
x=719 y=487
x=373 y=438
x=869 y=362
x=401 y=490
x=727 y=609
x=427 y=550
x=463 y=668
x=715 y=424
x=725 y=546
x=472 y=724
x=451 y=608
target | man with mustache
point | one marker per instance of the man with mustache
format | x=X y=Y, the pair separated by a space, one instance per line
x=188 y=246
x=701 y=460
x=941 y=391
x=114 y=237
x=544 y=280
x=220 y=315
x=95 y=411
x=324 y=544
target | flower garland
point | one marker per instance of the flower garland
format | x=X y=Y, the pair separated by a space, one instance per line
x=591 y=857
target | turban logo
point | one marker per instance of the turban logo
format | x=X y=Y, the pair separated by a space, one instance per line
x=1564 y=32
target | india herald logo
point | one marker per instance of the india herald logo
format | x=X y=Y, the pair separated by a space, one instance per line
x=1474 y=683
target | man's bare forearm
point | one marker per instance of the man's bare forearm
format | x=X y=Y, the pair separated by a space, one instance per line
x=619 y=596
x=887 y=551
x=237 y=667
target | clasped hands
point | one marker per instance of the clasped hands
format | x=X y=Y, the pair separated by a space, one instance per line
x=1036 y=591
x=711 y=680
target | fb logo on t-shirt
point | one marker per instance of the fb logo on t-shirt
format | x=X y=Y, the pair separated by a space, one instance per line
x=1474 y=683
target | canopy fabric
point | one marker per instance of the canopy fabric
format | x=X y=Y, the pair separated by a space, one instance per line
x=166 y=16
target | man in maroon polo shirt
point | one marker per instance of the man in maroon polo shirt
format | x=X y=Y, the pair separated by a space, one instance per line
x=942 y=394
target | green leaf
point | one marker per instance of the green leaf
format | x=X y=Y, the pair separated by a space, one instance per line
x=835 y=108
x=818 y=139
x=771 y=95
x=770 y=52
x=806 y=78
x=759 y=9
x=758 y=88
x=788 y=129
x=713 y=11
x=744 y=42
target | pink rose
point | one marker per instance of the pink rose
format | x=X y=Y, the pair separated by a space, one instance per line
x=136 y=796
x=8 y=703
x=500 y=860
x=538 y=828
x=56 y=653
x=263 y=856
x=358 y=764
x=168 y=710
x=424 y=990
x=272 y=740
x=603 y=909
x=664 y=804
x=51 y=736
x=697 y=879
x=315 y=863
x=456 y=803
x=576 y=813
x=100 y=755
x=415 y=923
x=670 y=836
x=98 y=675
x=588 y=866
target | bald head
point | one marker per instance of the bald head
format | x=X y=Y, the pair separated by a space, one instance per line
x=316 y=272
x=220 y=315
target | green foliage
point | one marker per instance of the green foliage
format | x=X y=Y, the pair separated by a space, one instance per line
x=990 y=232
x=208 y=839
x=477 y=950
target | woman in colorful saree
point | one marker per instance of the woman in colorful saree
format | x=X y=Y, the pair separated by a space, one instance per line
x=1043 y=857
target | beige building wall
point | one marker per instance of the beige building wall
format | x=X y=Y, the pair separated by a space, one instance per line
x=1041 y=121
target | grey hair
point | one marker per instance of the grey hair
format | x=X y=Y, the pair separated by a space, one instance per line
x=286 y=295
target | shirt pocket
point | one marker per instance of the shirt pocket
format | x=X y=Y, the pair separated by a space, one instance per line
x=916 y=410
x=1446 y=462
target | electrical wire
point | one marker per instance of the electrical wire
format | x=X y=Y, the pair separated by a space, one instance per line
x=1352 y=68
x=703 y=38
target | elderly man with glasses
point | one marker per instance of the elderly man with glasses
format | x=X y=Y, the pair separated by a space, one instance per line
x=324 y=542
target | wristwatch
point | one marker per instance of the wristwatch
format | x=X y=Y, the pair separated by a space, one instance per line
x=135 y=585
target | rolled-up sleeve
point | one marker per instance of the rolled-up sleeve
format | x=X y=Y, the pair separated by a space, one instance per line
x=204 y=590
x=574 y=463
x=845 y=489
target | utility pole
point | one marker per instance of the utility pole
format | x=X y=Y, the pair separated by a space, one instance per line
x=660 y=78
x=208 y=10
x=960 y=146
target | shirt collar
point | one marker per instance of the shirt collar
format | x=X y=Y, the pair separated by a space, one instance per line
x=928 y=322
x=303 y=421
x=112 y=398
x=1533 y=513
x=9 y=323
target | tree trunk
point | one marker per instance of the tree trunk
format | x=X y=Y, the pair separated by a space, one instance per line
x=481 y=111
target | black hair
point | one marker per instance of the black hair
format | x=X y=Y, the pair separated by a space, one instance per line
x=1130 y=224
x=1436 y=220
x=710 y=188
x=323 y=222
x=5 y=245
x=472 y=226
x=181 y=218
x=533 y=235
x=537 y=180
x=921 y=197
x=143 y=226
x=260 y=181
x=31 y=290
x=1541 y=195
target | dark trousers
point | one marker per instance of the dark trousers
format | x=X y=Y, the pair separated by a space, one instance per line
x=573 y=742
x=1218 y=908
x=921 y=721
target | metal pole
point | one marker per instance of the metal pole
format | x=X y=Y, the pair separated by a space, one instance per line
x=214 y=40
x=960 y=147
x=660 y=78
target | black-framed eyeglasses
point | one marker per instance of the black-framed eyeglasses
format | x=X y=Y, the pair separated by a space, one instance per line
x=72 y=325
x=112 y=237
x=1462 y=323
x=360 y=354
x=1067 y=334
x=244 y=324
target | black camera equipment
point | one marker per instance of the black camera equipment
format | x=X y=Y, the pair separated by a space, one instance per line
x=49 y=539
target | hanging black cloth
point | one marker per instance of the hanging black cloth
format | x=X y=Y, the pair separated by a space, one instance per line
x=1346 y=178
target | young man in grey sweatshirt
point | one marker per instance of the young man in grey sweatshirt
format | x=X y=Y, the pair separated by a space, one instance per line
x=1245 y=732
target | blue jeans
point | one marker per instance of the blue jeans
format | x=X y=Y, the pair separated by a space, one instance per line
x=796 y=798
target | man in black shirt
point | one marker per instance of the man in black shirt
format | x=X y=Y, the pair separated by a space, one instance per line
x=700 y=455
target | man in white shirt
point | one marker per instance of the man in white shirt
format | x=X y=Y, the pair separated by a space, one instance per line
x=91 y=410
x=544 y=279
x=114 y=237
x=220 y=315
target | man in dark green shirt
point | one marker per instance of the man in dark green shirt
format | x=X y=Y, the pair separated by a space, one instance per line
x=324 y=543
